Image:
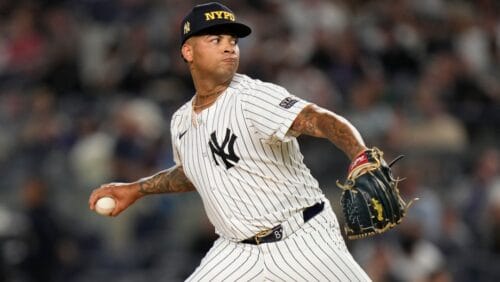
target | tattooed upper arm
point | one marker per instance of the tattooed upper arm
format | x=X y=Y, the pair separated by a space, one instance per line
x=318 y=122
x=306 y=122
x=172 y=180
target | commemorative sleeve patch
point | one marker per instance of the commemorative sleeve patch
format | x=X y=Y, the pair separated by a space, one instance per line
x=288 y=102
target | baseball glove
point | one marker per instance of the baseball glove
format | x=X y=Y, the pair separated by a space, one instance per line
x=371 y=202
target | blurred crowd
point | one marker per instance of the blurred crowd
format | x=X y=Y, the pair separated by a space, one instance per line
x=87 y=88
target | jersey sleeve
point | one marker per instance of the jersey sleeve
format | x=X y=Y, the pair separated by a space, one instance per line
x=271 y=109
x=175 y=154
x=173 y=133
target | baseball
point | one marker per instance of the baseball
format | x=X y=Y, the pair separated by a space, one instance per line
x=105 y=205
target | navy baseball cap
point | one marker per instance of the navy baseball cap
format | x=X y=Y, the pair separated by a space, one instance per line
x=204 y=17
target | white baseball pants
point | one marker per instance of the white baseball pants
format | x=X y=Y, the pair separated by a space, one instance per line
x=315 y=252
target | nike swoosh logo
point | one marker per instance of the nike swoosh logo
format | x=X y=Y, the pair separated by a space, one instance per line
x=182 y=134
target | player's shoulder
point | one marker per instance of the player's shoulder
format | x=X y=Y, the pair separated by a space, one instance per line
x=181 y=113
x=181 y=110
x=252 y=87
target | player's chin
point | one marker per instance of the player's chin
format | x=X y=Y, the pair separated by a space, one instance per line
x=228 y=70
x=229 y=65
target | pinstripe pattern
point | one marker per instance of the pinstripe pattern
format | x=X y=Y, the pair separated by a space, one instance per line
x=270 y=182
x=230 y=261
x=251 y=177
x=314 y=253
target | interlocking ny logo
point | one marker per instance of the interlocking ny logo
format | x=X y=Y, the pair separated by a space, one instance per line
x=229 y=158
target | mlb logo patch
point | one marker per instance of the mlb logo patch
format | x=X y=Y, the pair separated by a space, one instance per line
x=288 y=102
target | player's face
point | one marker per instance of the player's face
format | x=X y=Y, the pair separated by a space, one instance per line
x=216 y=54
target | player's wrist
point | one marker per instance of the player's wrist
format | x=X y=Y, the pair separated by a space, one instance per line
x=137 y=188
x=364 y=161
x=360 y=158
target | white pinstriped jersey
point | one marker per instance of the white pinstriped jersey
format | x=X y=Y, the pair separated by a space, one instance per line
x=249 y=172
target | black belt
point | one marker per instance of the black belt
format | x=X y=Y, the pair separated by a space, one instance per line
x=276 y=233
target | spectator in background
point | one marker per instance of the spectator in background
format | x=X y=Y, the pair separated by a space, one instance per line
x=90 y=157
x=430 y=128
x=138 y=126
x=42 y=129
x=475 y=193
x=428 y=211
x=455 y=236
x=492 y=228
x=60 y=72
x=493 y=219
x=24 y=47
x=375 y=257
x=369 y=112
x=341 y=59
x=414 y=258
x=42 y=262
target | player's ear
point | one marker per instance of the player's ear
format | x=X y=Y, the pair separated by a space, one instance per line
x=187 y=52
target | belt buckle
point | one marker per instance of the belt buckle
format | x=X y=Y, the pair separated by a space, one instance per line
x=262 y=234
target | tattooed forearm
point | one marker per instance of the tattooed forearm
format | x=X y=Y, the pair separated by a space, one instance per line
x=319 y=122
x=172 y=180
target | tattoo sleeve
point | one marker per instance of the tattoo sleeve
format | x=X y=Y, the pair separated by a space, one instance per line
x=171 y=180
x=319 y=122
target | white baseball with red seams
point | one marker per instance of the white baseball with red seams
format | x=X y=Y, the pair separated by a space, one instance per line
x=105 y=205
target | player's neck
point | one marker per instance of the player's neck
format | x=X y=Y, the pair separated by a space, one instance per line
x=206 y=86
x=206 y=83
x=207 y=92
x=202 y=102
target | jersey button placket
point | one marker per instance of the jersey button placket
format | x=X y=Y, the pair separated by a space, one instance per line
x=199 y=120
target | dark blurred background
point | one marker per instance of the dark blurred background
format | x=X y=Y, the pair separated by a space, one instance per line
x=87 y=88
